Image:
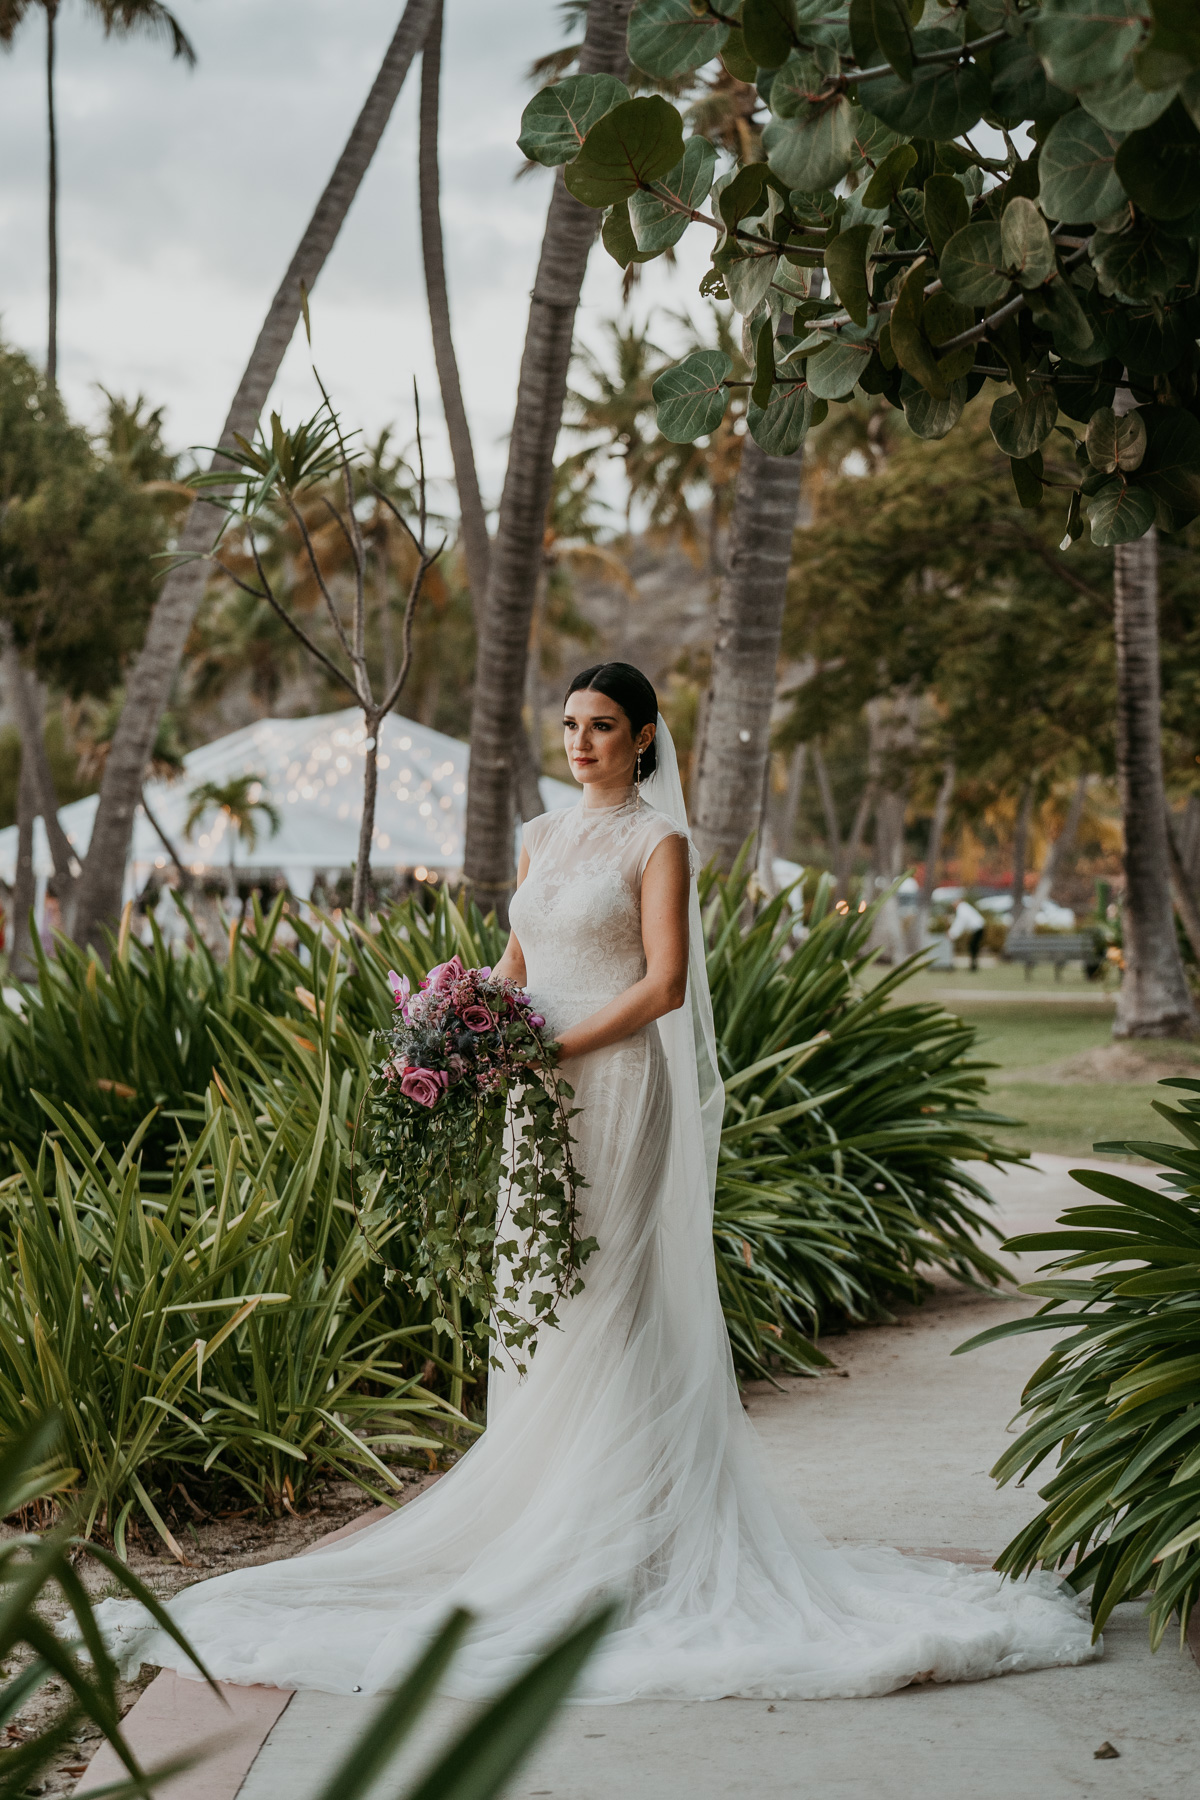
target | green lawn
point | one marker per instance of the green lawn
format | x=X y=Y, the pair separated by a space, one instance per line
x=1030 y=1036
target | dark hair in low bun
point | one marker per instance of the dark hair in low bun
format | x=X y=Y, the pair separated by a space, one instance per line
x=634 y=695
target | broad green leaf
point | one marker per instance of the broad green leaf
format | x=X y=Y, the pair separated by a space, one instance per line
x=656 y=225
x=910 y=344
x=1021 y=427
x=1027 y=479
x=764 y=363
x=972 y=265
x=637 y=143
x=1122 y=103
x=889 y=177
x=1025 y=243
x=690 y=398
x=802 y=80
x=814 y=150
x=1119 y=513
x=1143 y=262
x=947 y=209
x=1170 y=468
x=883 y=28
x=781 y=427
x=747 y=281
x=556 y=121
x=1020 y=89
x=834 y=373
x=671 y=37
x=927 y=416
x=737 y=59
x=1057 y=308
x=1173 y=52
x=616 y=234
x=1082 y=42
x=1115 y=443
x=945 y=318
x=1075 y=169
x=744 y=196
x=942 y=101
x=1159 y=168
x=767 y=29
x=1146 y=344
x=846 y=267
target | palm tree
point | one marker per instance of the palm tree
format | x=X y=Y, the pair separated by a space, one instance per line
x=98 y=892
x=476 y=545
x=237 y=800
x=516 y=558
x=120 y=18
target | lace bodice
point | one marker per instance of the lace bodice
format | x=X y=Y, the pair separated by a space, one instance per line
x=577 y=914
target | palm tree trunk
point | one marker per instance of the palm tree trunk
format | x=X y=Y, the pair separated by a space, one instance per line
x=517 y=550
x=727 y=805
x=1153 y=1001
x=21 y=959
x=933 y=849
x=1181 y=887
x=476 y=544
x=98 y=895
x=51 y=200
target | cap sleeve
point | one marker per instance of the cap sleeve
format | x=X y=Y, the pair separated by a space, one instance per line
x=533 y=833
x=657 y=830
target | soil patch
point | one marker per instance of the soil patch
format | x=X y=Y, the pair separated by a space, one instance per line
x=1135 y=1060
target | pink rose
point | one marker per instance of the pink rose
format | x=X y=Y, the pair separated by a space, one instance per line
x=478 y=1018
x=444 y=975
x=536 y=1020
x=425 y=1086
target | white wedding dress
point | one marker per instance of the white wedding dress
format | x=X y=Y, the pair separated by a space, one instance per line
x=623 y=1464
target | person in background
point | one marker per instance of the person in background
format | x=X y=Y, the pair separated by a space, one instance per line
x=970 y=923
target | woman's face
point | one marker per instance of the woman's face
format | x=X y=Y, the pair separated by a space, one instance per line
x=599 y=740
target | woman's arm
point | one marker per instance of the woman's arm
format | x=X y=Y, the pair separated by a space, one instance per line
x=662 y=988
x=512 y=964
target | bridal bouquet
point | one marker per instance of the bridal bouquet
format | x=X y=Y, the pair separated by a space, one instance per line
x=468 y=1128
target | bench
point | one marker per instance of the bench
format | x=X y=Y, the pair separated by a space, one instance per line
x=1063 y=947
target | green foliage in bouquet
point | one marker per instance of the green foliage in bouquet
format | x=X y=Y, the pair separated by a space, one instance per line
x=1062 y=275
x=1118 y=1398
x=468 y=1135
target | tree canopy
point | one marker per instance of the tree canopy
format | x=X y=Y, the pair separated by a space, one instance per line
x=1068 y=274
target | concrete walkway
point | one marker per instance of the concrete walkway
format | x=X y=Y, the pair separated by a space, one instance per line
x=895 y=1450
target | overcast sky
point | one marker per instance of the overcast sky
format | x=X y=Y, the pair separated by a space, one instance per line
x=183 y=194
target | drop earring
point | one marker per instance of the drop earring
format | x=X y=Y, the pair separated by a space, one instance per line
x=637 y=779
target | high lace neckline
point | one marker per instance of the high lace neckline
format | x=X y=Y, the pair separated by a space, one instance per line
x=630 y=802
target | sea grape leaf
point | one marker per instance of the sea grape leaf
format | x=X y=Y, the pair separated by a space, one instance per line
x=1122 y=103
x=638 y=142
x=556 y=121
x=1027 y=479
x=889 y=177
x=834 y=373
x=1170 y=469
x=813 y=150
x=942 y=101
x=747 y=281
x=690 y=397
x=1159 y=167
x=1173 y=51
x=781 y=427
x=1115 y=443
x=1025 y=243
x=1142 y=261
x=1057 y=308
x=802 y=80
x=671 y=37
x=1078 y=183
x=616 y=234
x=846 y=267
x=1118 y=512
x=1020 y=89
x=883 y=27
x=944 y=318
x=910 y=343
x=656 y=225
x=972 y=265
x=927 y=416
x=1020 y=427
x=1082 y=42
x=743 y=196
x=767 y=29
x=737 y=59
x=947 y=209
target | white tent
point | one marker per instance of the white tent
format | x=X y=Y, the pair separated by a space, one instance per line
x=312 y=772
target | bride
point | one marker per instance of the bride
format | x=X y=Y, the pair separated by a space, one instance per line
x=622 y=1464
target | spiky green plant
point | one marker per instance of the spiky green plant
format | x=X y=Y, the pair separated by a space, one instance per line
x=1117 y=1401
